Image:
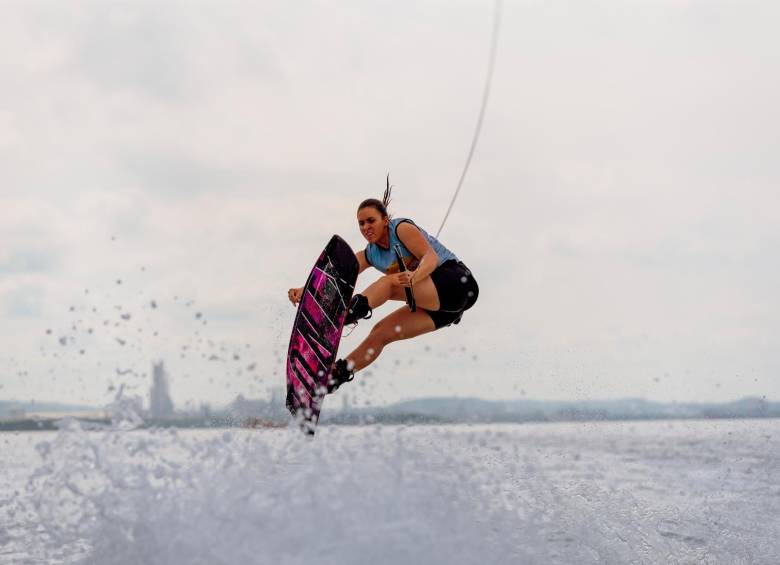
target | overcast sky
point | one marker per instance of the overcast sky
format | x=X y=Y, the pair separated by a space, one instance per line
x=170 y=169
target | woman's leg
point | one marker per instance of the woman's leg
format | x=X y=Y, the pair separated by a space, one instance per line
x=401 y=324
x=384 y=289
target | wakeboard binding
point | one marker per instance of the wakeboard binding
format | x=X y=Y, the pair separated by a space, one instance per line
x=358 y=310
x=340 y=374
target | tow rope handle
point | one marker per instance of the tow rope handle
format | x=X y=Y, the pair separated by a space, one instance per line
x=402 y=267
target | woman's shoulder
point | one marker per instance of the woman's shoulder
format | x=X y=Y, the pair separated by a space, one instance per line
x=395 y=222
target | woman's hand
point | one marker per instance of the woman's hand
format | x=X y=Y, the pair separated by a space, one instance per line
x=294 y=295
x=404 y=278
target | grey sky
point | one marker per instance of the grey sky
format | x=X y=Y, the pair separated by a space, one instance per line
x=620 y=214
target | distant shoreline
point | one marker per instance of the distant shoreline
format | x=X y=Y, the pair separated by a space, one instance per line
x=437 y=410
x=44 y=425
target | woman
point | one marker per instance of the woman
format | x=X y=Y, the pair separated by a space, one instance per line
x=443 y=287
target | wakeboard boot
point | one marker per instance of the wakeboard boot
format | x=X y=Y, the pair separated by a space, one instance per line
x=340 y=374
x=358 y=310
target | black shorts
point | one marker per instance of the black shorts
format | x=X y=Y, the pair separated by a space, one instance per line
x=457 y=289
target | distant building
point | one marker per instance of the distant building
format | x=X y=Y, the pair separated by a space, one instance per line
x=271 y=410
x=160 y=404
x=243 y=407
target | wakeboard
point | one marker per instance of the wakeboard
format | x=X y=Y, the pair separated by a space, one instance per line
x=317 y=331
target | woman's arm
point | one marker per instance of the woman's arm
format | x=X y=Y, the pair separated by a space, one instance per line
x=413 y=239
x=295 y=294
x=362 y=261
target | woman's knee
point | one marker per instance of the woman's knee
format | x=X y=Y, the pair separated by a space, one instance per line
x=389 y=280
x=397 y=291
x=386 y=283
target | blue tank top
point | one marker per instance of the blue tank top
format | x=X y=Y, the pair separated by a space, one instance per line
x=385 y=260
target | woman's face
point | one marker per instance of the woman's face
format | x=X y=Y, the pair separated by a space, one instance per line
x=372 y=224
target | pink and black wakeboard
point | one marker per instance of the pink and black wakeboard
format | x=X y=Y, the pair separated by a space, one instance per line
x=317 y=330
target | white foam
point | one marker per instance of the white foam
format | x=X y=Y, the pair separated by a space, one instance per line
x=249 y=497
x=548 y=494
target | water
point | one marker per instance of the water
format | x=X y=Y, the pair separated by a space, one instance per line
x=646 y=492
